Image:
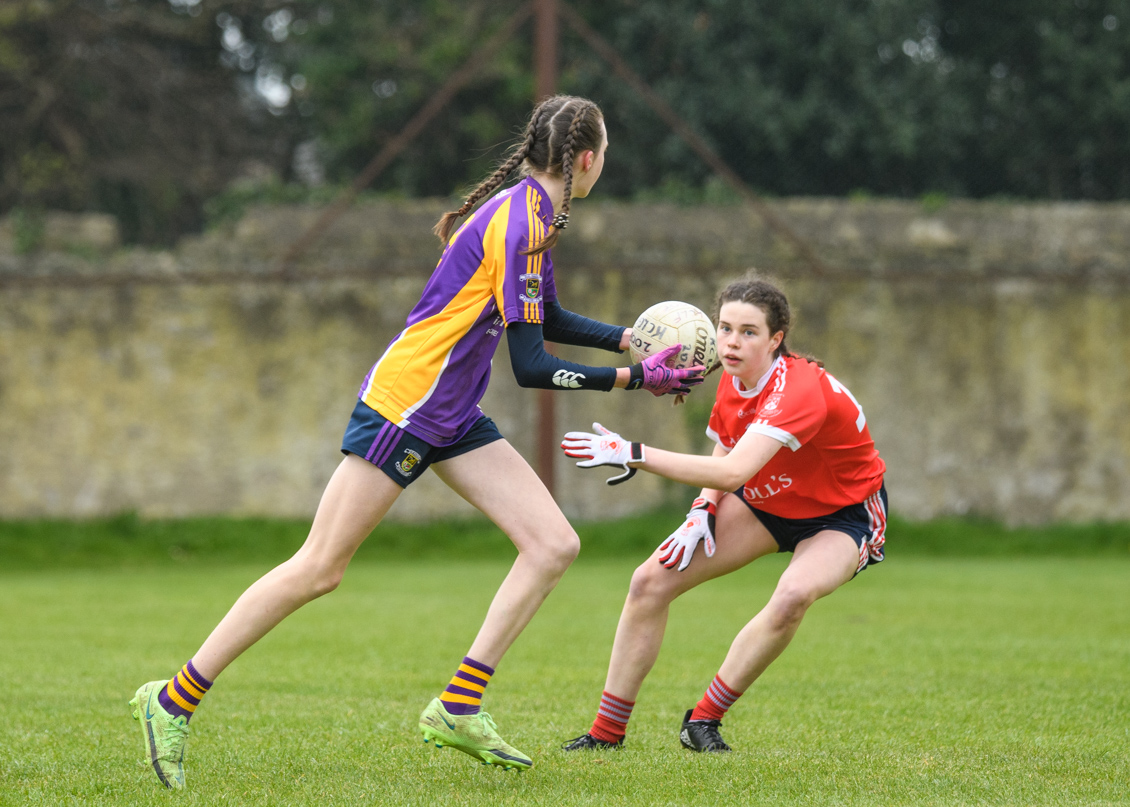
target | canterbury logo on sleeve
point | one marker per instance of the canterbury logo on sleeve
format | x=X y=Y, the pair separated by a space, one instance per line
x=568 y=379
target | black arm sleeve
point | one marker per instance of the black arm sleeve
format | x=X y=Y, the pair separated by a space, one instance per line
x=566 y=328
x=533 y=367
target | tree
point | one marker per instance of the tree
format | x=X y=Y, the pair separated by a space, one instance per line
x=359 y=70
x=146 y=108
x=123 y=106
x=1048 y=83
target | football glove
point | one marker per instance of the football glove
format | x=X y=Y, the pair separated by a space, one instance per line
x=603 y=448
x=680 y=545
x=656 y=377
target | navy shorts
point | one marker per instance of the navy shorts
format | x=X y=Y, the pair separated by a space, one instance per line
x=865 y=522
x=403 y=456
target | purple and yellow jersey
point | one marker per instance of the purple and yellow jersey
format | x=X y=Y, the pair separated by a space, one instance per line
x=434 y=373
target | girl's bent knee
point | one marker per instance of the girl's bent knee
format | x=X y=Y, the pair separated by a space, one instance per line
x=325 y=583
x=573 y=548
x=313 y=578
x=651 y=582
x=566 y=549
x=557 y=554
x=789 y=604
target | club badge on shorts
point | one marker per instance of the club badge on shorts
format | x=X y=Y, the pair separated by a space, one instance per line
x=408 y=464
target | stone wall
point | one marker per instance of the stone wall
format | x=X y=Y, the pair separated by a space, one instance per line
x=989 y=345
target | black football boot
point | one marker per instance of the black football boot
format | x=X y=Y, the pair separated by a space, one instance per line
x=586 y=742
x=702 y=735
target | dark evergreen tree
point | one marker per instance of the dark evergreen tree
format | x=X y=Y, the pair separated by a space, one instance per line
x=146 y=108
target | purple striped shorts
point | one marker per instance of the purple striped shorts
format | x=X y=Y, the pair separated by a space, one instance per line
x=401 y=455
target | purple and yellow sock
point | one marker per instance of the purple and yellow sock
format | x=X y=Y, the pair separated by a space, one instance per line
x=464 y=695
x=183 y=694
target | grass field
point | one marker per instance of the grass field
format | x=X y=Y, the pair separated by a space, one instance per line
x=126 y=540
x=932 y=681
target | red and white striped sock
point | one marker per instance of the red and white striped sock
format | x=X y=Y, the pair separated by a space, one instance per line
x=612 y=717
x=715 y=703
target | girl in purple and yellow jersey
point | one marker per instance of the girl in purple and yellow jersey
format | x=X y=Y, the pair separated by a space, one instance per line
x=419 y=407
x=433 y=374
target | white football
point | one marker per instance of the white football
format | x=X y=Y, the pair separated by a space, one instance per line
x=673 y=323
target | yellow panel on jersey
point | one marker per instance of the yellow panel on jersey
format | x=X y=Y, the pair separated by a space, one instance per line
x=422 y=352
x=494 y=254
x=433 y=374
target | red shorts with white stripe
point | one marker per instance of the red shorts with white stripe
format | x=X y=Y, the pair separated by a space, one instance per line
x=865 y=522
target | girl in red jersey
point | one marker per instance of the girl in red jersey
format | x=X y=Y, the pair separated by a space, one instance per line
x=794 y=470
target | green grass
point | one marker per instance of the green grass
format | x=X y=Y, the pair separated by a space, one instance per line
x=126 y=540
x=926 y=681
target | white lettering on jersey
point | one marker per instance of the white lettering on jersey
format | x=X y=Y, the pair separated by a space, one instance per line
x=837 y=387
x=567 y=379
x=754 y=494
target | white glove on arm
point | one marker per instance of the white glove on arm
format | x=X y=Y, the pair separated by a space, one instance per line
x=603 y=448
x=680 y=545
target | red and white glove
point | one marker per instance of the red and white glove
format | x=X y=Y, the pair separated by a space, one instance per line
x=603 y=448
x=680 y=545
x=656 y=377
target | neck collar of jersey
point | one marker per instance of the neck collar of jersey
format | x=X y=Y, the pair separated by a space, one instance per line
x=753 y=393
x=546 y=209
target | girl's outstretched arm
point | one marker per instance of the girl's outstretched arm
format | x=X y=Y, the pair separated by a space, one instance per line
x=726 y=472
x=569 y=328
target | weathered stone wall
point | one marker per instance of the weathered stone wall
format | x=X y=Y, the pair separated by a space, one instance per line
x=989 y=345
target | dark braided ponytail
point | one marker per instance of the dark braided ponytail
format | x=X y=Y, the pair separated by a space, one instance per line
x=572 y=122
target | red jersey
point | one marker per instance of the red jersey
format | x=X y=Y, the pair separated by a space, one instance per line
x=832 y=462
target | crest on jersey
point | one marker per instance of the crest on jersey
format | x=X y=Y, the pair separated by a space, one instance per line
x=406 y=465
x=772 y=405
x=531 y=288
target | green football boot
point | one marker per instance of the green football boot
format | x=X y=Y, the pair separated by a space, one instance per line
x=476 y=735
x=164 y=734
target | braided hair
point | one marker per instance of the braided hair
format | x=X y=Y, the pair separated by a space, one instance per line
x=559 y=128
